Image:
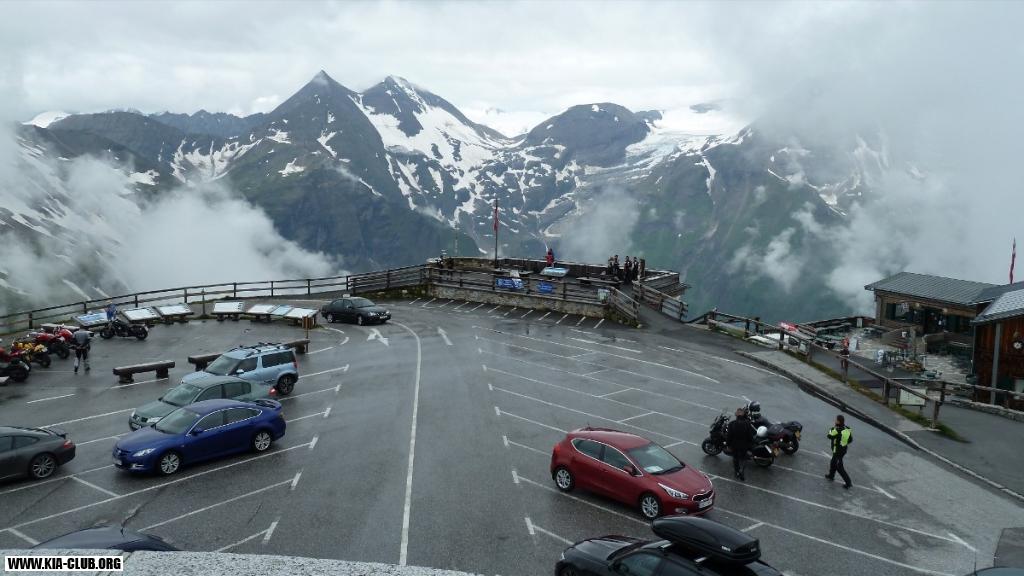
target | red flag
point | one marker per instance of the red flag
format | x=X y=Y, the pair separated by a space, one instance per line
x=1013 y=259
x=495 y=215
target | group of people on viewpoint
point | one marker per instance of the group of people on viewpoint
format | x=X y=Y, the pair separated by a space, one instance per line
x=628 y=271
x=743 y=430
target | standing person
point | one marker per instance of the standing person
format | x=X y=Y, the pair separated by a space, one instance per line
x=740 y=437
x=643 y=268
x=610 y=270
x=627 y=270
x=636 y=268
x=550 y=258
x=111 y=312
x=81 y=342
x=840 y=436
x=615 y=267
x=844 y=357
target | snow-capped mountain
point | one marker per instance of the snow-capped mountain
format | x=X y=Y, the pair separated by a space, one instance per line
x=394 y=174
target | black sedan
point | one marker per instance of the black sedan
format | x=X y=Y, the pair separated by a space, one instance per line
x=691 y=547
x=108 y=538
x=358 y=310
x=33 y=452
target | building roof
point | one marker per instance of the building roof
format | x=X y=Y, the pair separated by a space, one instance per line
x=1008 y=305
x=951 y=290
x=990 y=294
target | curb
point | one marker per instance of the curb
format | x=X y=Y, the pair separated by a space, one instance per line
x=815 y=390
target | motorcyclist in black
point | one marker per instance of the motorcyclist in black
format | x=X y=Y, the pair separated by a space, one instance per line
x=740 y=438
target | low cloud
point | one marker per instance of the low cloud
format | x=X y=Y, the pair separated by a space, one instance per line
x=603 y=229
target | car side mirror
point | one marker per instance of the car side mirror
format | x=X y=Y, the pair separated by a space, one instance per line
x=631 y=470
x=196 y=431
x=618 y=568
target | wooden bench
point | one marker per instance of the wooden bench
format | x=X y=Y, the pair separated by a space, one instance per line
x=585 y=281
x=201 y=361
x=125 y=373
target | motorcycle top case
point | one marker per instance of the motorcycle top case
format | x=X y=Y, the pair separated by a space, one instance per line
x=708 y=538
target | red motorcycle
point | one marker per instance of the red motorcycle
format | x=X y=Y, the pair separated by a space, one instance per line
x=57 y=342
x=13 y=366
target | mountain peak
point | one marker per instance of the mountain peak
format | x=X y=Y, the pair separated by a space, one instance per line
x=322 y=78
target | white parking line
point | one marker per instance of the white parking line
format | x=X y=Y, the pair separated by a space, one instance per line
x=524 y=446
x=611 y=393
x=309 y=416
x=342 y=368
x=752 y=527
x=529 y=526
x=219 y=503
x=630 y=358
x=424 y=305
x=953 y=540
x=477 y=306
x=635 y=417
x=459 y=306
x=582 y=318
x=50 y=398
x=491 y=311
x=403 y=555
x=744 y=516
x=528 y=312
x=84 y=418
x=547 y=533
x=137 y=383
x=637 y=374
x=294 y=396
x=57 y=479
x=544 y=316
x=102 y=439
x=626 y=404
x=91 y=485
x=295 y=480
x=514 y=308
x=243 y=540
x=445 y=304
x=562 y=318
x=154 y=487
x=320 y=350
x=312 y=443
x=23 y=536
x=879 y=489
x=599 y=322
x=415 y=301
x=500 y=412
x=270 y=532
x=751 y=366
x=608 y=345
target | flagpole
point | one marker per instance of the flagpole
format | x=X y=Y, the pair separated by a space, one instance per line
x=496 y=232
x=1013 y=259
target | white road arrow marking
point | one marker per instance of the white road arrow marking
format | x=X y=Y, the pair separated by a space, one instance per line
x=376 y=335
x=443 y=335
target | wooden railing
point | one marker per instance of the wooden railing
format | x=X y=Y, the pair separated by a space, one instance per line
x=668 y=305
x=624 y=305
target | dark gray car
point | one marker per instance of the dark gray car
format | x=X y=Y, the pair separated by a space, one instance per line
x=186 y=393
x=33 y=452
x=108 y=538
x=358 y=310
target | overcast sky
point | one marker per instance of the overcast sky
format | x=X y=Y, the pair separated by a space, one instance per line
x=528 y=59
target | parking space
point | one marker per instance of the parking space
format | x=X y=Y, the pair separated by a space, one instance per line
x=427 y=441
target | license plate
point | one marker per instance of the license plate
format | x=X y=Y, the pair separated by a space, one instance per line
x=118 y=462
x=704 y=503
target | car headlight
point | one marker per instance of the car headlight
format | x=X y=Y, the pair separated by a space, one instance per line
x=674 y=493
x=144 y=452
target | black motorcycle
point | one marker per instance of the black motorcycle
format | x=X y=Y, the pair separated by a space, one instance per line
x=785 y=435
x=121 y=328
x=15 y=369
x=762 y=452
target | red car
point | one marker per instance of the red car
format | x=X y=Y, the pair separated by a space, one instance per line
x=632 y=470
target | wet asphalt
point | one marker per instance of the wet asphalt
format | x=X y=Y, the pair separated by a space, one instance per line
x=487 y=392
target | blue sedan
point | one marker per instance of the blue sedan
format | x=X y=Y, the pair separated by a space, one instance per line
x=201 y=431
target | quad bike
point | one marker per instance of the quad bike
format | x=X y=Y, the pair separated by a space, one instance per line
x=13 y=366
x=31 y=352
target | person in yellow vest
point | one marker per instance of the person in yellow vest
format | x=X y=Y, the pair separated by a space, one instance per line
x=840 y=436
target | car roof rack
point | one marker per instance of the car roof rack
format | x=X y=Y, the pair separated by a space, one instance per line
x=701 y=539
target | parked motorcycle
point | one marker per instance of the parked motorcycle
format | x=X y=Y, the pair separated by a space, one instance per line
x=121 y=328
x=31 y=352
x=762 y=452
x=13 y=366
x=785 y=435
x=57 y=343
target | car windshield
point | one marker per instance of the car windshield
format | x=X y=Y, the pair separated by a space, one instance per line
x=181 y=394
x=222 y=366
x=177 y=422
x=361 y=303
x=654 y=459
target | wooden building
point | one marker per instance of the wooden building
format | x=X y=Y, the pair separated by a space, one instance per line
x=999 y=348
x=933 y=304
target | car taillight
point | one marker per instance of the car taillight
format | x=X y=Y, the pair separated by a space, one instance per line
x=69 y=444
x=273 y=391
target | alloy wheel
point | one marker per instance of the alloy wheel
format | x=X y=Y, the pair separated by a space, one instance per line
x=170 y=463
x=43 y=465
x=261 y=442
